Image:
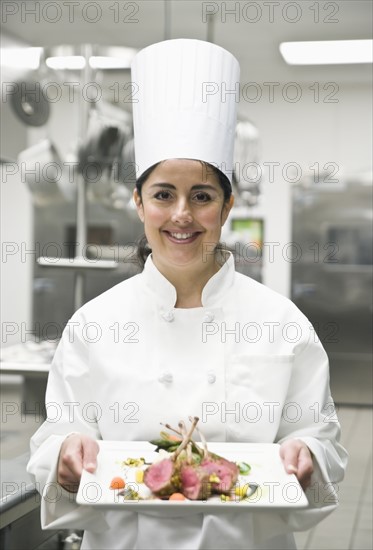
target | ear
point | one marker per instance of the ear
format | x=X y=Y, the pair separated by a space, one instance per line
x=226 y=209
x=137 y=200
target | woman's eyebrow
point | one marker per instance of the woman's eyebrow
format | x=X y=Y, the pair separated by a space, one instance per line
x=204 y=186
x=165 y=185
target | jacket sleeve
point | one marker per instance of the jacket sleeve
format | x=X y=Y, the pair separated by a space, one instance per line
x=309 y=414
x=69 y=409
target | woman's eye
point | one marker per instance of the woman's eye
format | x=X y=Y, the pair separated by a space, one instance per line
x=163 y=195
x=202 y=197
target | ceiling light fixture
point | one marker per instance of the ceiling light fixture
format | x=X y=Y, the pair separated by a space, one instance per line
x=327 y=52
x=20 y=58
x=68 y=62
x=113 y=57
x=108 y=58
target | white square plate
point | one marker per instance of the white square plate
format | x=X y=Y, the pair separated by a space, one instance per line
x=276 y=488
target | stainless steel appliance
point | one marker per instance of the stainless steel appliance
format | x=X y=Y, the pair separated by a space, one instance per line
x=111 y=235
x=332 y=277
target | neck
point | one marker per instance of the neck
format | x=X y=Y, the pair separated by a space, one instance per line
x=189 y=282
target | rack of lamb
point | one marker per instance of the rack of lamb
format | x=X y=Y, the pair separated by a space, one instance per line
x=189 y=469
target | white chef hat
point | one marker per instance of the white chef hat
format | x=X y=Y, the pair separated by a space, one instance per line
x=185 y=103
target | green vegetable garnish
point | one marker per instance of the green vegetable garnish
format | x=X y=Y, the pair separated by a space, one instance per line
x=130 y=494
x=134 y=462
x=244 y=468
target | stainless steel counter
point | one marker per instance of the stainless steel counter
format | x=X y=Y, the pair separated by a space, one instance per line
x=20 y=507
x=35 y=382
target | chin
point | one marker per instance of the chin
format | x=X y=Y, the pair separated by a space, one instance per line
x=183 y=259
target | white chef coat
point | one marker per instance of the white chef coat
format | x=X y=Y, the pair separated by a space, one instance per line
x=247 y=363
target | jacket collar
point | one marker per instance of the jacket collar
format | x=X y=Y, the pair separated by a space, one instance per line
x=165 y=293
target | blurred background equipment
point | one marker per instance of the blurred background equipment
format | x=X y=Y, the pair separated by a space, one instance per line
x=246 y=162
x=30 y=103
x=332 y=281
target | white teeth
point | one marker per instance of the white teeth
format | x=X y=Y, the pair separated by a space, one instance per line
x=181 y=236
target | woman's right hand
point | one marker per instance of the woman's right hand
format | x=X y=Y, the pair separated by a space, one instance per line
x=77 y=452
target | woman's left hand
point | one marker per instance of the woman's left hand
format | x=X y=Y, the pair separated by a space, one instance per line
x=297 y=460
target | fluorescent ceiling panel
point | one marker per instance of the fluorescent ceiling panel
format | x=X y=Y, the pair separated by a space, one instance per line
x=111 y=58
x=68 y=62
x=327 y=52
x=20 y=58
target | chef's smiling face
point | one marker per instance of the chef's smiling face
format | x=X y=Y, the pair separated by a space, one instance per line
x=183 y=210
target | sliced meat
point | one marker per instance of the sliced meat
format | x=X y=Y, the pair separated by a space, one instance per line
x=185 y=472
x=226 y=471
x=195 y=482
x=163 y=477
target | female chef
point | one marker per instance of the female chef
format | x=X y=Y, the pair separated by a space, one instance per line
x=176 y=340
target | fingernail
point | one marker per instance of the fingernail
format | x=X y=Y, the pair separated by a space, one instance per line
x=90 y=466
x=291 y=468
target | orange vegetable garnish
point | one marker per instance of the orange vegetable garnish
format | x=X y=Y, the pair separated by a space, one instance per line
x=177 y=496
x=117 y=483
x=174 y=438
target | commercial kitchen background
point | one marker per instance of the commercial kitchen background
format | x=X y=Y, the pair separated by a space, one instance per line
x=304 y=191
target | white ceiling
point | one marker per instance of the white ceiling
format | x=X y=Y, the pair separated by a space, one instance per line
x=254 y=43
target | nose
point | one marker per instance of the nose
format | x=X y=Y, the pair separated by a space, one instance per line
x=182 y=214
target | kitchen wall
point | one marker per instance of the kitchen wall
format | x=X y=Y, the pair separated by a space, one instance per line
x=16 y=236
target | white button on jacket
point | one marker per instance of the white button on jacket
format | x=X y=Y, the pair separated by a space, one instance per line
x=211 y=377
x=166 y=378
x=209 y=317
x=168 y=316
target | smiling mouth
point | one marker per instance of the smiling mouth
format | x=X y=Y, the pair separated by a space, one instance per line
x=180 y=237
